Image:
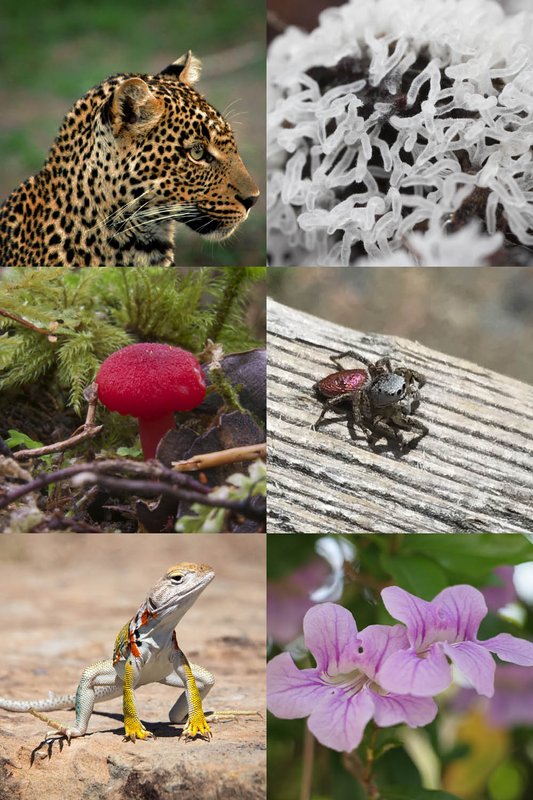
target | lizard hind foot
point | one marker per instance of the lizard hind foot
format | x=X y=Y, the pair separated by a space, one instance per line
x=68 y=733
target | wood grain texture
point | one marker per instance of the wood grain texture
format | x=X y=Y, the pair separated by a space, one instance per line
x=472 y=473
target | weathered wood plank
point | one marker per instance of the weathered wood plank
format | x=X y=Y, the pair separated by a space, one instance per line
x=473 y=472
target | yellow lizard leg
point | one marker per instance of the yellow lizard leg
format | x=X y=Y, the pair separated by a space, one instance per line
x=133 y=727
x=196 y=724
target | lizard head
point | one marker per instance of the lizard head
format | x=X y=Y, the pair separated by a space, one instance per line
x=178 y=589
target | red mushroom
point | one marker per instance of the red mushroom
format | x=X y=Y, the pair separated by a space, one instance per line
x=151 y=382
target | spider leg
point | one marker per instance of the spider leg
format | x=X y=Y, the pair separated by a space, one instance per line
x=380 y=428
x=329 y=403
x=384 y=365
x=411 y=375
x=352 y=354
x=410 y=423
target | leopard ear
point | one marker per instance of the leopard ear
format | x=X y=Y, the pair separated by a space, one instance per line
x=134 y=108
x=186 y=68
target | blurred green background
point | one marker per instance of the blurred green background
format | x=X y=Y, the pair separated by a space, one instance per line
x=52 y=52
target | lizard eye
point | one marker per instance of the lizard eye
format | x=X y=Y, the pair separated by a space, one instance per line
x=176 y=578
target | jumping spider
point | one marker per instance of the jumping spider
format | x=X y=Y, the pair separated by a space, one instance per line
x=382 y=398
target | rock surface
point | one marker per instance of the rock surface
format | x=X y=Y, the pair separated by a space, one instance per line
x=64 y=599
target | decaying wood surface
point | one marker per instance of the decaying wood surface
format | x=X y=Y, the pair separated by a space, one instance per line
x=473 y=472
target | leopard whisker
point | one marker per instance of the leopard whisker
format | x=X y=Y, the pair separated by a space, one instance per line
x=233 y=102
x=147 y=218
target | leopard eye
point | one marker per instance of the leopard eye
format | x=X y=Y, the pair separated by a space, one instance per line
x=197 y=152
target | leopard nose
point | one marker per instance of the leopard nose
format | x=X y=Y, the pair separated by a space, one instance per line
x=249 y=201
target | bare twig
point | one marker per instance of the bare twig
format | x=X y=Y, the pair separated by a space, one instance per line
x=102 y=467
x=21 y=321
x=86 y=431
x=155 y=488
x=230 y=456
x=161 y=480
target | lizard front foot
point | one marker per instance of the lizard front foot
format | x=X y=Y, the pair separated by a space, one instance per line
x=134 y=729
x=197 y=726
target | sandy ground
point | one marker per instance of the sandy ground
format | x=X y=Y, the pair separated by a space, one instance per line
x=64 y=599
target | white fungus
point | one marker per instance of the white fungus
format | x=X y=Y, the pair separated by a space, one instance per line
x=397 y=121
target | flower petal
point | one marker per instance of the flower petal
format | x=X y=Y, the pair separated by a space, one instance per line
x=339 y=720
x=476 y=664
x=407 y=673
x=376 y=643
x=392 y=709
x=330 y=634
x=452 y=616
x=292 y=692
x=416 y=614
x=466 y=606
x=511 y=648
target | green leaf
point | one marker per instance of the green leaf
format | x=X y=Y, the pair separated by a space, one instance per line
x=417 y=574
x=129 y=452
x=17 y=438
x=398 y=762
x=472 y=556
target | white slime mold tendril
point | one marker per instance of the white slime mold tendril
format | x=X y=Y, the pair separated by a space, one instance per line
x=441 y=106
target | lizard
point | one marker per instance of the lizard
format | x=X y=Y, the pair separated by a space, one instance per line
x=146 y=651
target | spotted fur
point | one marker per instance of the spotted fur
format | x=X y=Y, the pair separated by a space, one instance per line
x=135 y=156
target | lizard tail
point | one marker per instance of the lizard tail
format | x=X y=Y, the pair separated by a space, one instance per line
x=56 y=702
x=53 y=702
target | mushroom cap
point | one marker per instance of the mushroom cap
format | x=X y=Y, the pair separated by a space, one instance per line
x=148 y=380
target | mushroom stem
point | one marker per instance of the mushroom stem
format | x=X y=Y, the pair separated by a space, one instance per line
x=153 y=430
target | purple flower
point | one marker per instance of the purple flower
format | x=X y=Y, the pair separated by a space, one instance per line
x=340 y=695
x=445 y=627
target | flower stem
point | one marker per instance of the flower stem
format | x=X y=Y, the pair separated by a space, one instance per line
x=363 y=771
x=371 y=788
x=307 y=764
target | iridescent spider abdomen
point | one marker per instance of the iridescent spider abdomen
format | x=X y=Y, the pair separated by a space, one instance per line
x=346 y=380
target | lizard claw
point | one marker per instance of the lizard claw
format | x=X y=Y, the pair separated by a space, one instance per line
x=197 y=727
x=134 y=730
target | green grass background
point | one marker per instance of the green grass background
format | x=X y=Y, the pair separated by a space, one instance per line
x=53 y=51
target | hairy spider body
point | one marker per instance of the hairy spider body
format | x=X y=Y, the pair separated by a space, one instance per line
x=382 y=398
